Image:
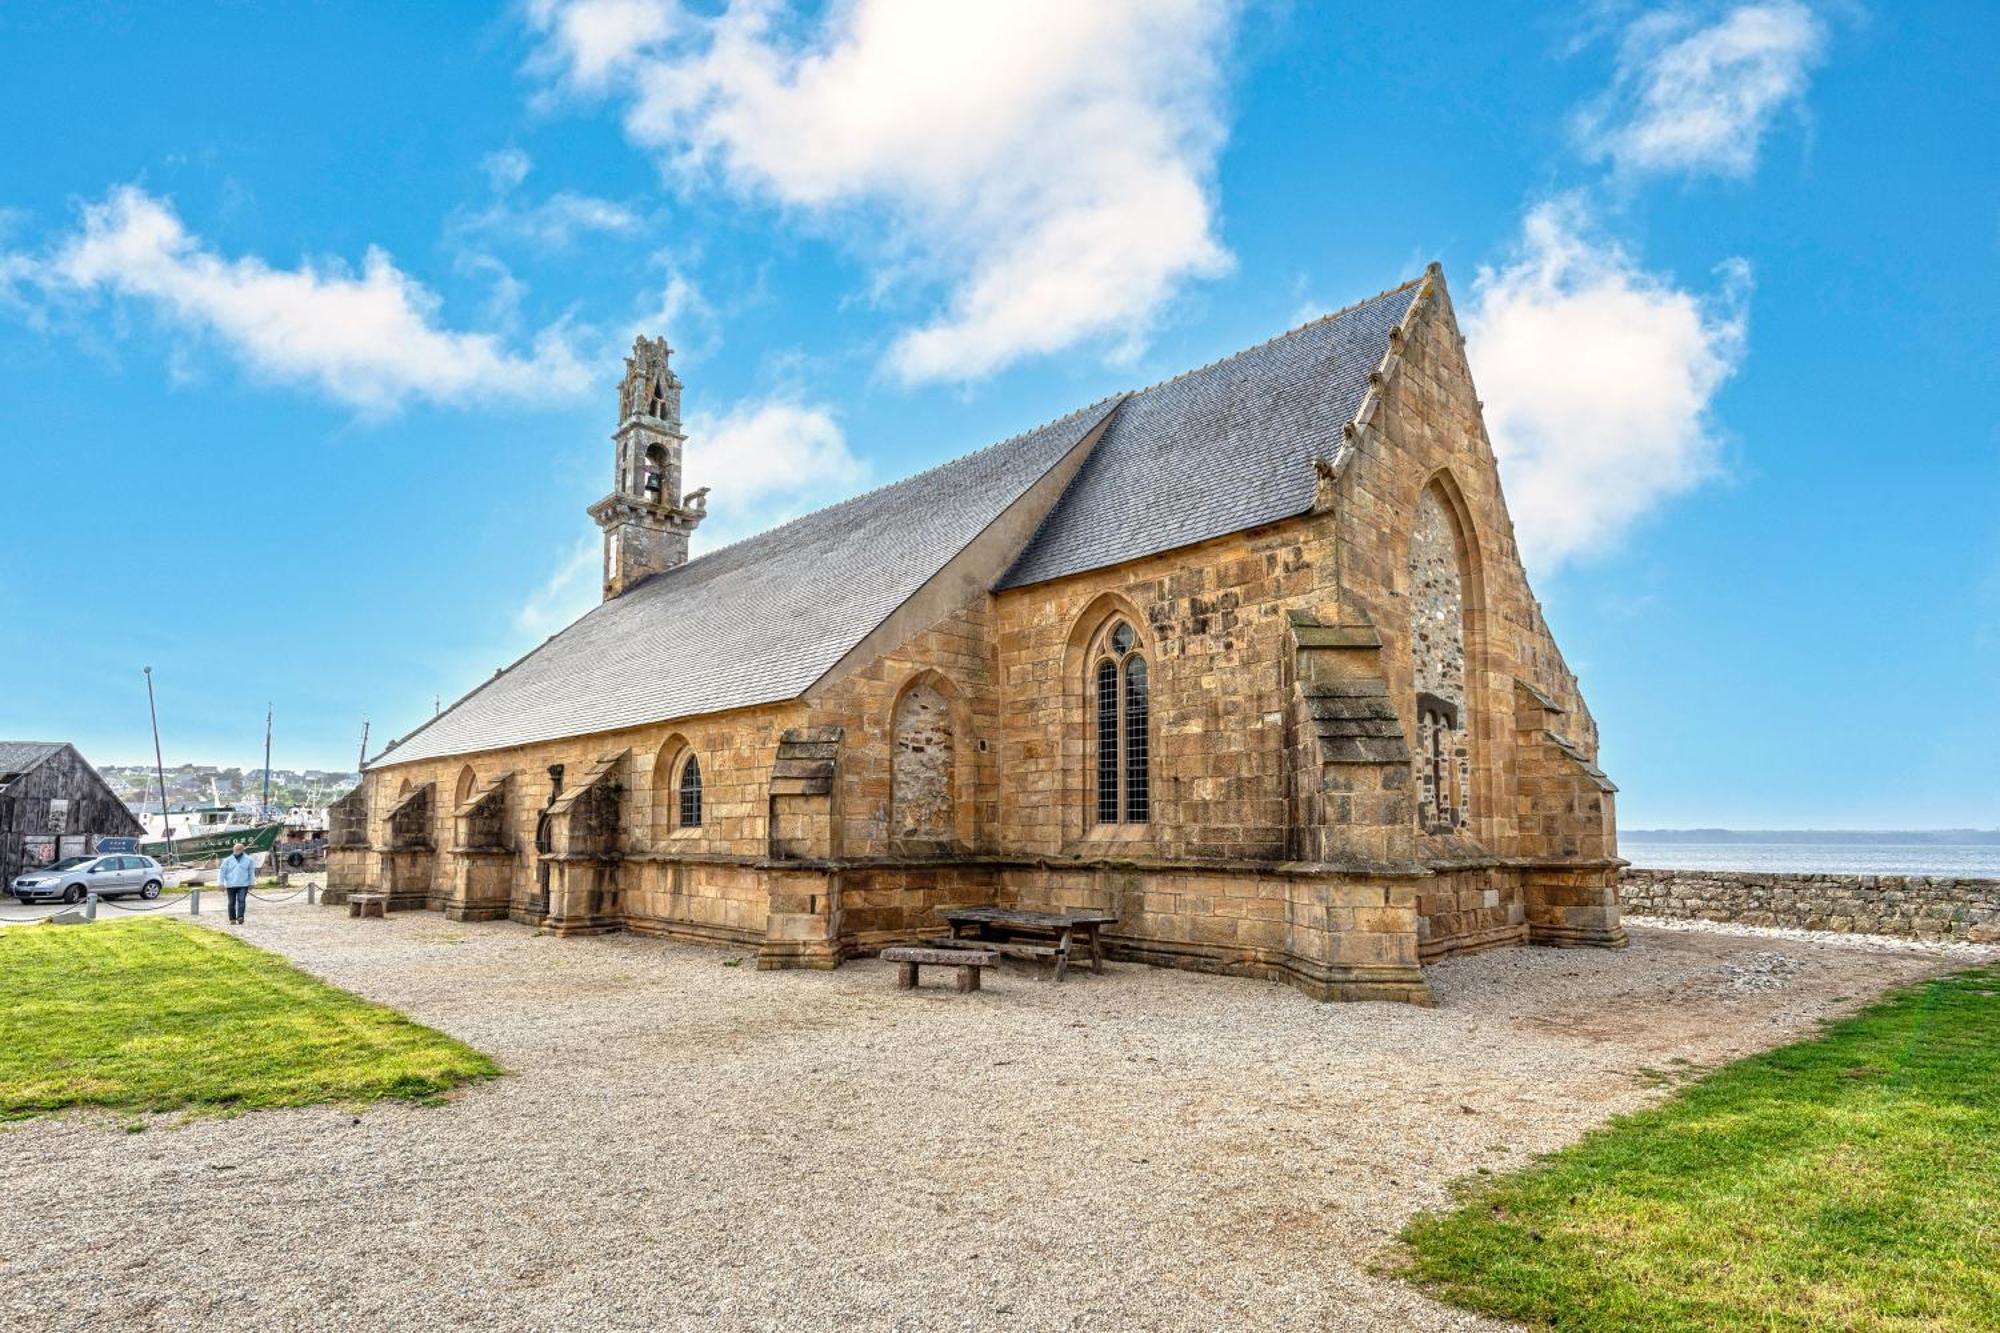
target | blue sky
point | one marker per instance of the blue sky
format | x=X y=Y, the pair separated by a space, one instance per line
x=310 y=317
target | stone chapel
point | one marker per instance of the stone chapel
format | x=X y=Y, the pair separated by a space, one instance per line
x=1247 y=658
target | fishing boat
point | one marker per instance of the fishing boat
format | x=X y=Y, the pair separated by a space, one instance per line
x=207 y=832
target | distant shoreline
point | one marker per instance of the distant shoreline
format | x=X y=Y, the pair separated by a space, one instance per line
x=1950 y=853
x=1818 y=837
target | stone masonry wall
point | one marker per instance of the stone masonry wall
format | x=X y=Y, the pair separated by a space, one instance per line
x=1426 y=432
x=1211 y=625
x=1919 y=907
x=922 y=785
x=962 y=771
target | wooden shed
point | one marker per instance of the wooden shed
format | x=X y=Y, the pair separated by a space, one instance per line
x=53 y=804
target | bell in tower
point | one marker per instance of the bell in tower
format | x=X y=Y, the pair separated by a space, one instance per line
x=646 y=520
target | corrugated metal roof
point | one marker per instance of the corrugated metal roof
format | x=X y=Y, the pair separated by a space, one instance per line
x=752 y=623
x=1217 y=450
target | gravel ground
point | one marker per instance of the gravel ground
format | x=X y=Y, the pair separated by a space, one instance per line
x=685 y=1142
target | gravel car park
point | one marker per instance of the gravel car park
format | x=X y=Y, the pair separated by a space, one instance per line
x=74 y=878
x=685 y=1143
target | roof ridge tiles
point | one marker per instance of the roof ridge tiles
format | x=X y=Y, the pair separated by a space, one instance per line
x=1293 y=332
x=1106 y=403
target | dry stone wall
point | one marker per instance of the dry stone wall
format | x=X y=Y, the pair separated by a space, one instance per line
x=1915 y=906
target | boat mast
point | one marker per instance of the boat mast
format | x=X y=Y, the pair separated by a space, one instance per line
x=267 y=761
x=159 y=766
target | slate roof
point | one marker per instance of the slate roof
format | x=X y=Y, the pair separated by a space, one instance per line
x=20 y=756
x=1217 y=450
x=751 y=623
x=1220 y=449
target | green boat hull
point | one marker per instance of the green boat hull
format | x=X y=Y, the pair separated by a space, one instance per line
x=214 y=846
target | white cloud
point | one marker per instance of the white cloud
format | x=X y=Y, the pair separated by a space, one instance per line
x=555 y=222
x=369 y=339
x=1048 y=162
x=1597 y=377
x=1696 y=98
x=682 y=311
x=593 y=40
x=569 y=592
x=505 y=168
x=767 y=461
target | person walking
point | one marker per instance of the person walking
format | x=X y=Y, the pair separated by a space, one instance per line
x=239 y=872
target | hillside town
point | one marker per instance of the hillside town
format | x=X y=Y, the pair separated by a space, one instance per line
x=213 y=784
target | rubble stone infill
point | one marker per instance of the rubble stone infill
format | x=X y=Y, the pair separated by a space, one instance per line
x=1913 y=906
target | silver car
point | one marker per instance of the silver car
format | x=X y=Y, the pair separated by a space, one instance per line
x=73 y=877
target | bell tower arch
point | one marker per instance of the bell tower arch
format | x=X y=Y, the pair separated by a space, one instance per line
x=646 y=520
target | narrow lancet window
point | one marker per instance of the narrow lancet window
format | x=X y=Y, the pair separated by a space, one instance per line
x=1124 y=786
x=1136 y=796
x=690 y=793
x=1107 y=742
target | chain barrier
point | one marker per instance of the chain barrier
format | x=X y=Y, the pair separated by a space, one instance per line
x=57 y=910
x=171 y=902
x=287 y=898
x=167 y=906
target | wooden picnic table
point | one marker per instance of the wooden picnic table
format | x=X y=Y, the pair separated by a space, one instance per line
x=1023 y=933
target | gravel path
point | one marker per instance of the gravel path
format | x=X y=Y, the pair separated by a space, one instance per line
x=686 y=1142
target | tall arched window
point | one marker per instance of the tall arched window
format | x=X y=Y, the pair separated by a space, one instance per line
x=1437 y=651
x=1121 y=710
x=690 y=793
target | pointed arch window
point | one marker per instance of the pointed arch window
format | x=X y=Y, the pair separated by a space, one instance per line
x=689 y=792
x=1439 y=588
x=1121 y=712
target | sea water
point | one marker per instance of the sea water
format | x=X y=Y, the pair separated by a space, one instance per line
x=1963 y=861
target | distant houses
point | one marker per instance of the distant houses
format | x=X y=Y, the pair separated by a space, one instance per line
x=53 y=804
x=191 y=785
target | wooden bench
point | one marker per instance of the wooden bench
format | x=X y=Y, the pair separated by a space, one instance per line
x=1023 y=933
x=967 y=961
x=368 y=904
x=1011 y=948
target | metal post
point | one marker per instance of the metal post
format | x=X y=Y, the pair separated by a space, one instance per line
x=194 y=901
x=160 y=767
x=312 y=893
x=90 y=906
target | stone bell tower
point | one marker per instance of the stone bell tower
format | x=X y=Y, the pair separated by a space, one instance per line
x=646 y=520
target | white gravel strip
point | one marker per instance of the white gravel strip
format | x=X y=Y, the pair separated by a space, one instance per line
x=1970 y=954
x=685 y=1142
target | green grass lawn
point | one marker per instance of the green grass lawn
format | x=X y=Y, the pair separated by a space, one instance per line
x=160 y=1016
x=1849 y=1182
x=268 y=885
